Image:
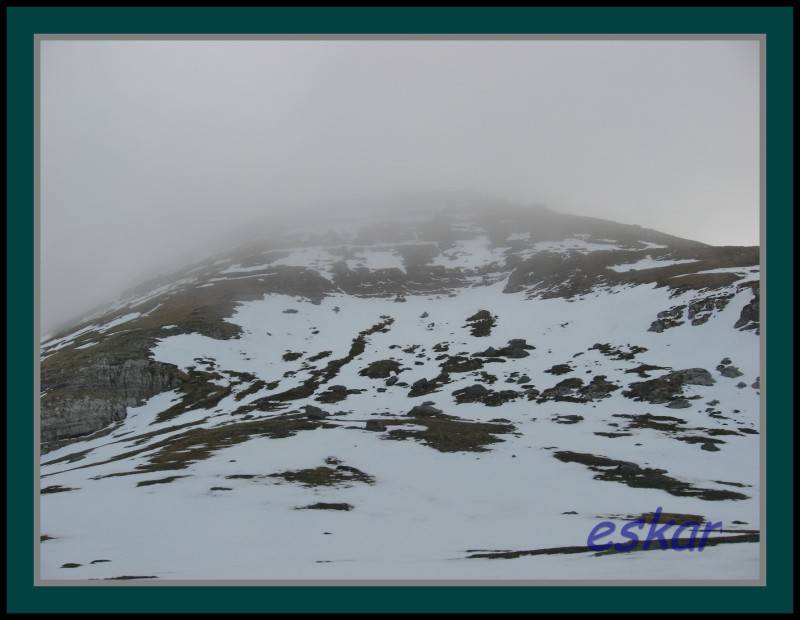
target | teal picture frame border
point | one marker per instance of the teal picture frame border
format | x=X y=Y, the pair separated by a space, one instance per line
x=23 y=23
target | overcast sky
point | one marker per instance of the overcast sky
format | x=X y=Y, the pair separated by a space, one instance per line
x=153 y=149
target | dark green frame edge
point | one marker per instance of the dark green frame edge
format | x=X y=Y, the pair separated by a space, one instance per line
x=24 y=23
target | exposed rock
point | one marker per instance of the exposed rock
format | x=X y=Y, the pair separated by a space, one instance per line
x=749 y=317
x=515 y=349
x=643 y=370
x=426 y=410
x=729 y=371
x=567 y=419
x=667 y=319
x=426 y=386
x=327 y=506
x=559 y=369
x=315 y=413
x=573 y=390
x=700 y=310
x=679 y=403
x=668 y=387
x=335 y=394
x=92 y=393
x=459 y=363
x=479 y=394
x=618 y=353
x=381 y=369
x=481 y=323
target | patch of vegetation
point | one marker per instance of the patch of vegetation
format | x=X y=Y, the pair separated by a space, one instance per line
x=72 y=457
x=319 y=376
x=254 y=387
x=127 y=577
x=341 y=475
x=749 y=537
x=56 y=488
x=181 y=450
x=446 y=433
x=335 y=394
x=664 y=517
x=635 y=476
x=699 y=281
x=167 y=480
x=199 y=392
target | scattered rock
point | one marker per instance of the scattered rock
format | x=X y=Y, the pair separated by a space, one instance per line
x=481 y=323
x=314 y=413
x=515 y=349
x=567 y=419
x=729 y=371
x=327 y=506
x=668 y=387
x=667 y=319
x=679 y=403
x=559 y=369
x=375 y=425
x=381 y=369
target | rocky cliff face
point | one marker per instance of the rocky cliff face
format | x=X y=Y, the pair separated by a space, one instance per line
x=79 y=400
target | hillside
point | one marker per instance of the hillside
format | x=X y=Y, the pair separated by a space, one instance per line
x=462 y=395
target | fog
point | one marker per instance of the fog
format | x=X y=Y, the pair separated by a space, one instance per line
x=154 y=152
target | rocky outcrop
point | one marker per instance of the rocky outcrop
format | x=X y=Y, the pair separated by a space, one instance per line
x=481 y=323
x=515 y=349
x=573 y=390
x=749 y=317
x=700 y=310
x=668 y=387
x=87 y=398
x=480 y=394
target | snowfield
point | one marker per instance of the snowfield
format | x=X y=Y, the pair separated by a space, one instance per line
x=403 y=507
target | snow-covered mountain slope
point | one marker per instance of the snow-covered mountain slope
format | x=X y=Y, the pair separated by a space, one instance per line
x=459 y=398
